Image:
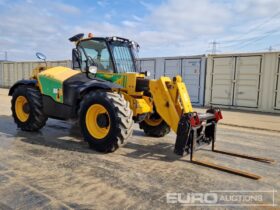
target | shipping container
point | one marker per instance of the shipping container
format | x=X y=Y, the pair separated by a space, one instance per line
x=10 y=72
x=1 y=74
x=277 y=87
x=191 y=68
x=148 y=65
x=248 y=81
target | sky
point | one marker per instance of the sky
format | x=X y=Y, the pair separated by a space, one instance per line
x=161 y=27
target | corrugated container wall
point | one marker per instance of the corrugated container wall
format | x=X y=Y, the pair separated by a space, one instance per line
x=10 y=72
x=248 y=81
x=191 y=68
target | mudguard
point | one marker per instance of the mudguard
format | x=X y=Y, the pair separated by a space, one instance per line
x=32 y=82
x=74 y=88
x=99 y=84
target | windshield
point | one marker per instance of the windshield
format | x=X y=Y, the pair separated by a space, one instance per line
x=98 y=51
x=123 y=57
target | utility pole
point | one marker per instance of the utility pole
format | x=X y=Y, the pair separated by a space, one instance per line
x=5 y=55
x=214 y=46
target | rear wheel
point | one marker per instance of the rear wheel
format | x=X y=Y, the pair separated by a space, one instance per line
x=154 y=126
x=27 y=108
x=106 y=120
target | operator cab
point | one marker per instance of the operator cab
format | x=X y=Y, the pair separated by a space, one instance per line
x=110 y=54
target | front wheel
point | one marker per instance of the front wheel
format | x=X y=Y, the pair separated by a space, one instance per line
x=27 y=108
x=105 y=119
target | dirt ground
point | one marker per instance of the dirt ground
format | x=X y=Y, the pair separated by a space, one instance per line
x=55 y=169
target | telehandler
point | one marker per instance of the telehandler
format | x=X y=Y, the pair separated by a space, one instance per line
x=107 y=94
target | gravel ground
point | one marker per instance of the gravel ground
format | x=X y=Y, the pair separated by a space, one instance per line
x=55 y=169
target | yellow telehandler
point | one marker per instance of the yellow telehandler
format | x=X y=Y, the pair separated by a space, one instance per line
x=107 y=94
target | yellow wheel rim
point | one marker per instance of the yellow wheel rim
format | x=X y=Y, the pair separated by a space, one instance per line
x=22 y=115
x=152 y=122
x=91 y=121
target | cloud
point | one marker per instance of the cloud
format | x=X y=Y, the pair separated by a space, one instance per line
x=171 y=27
x=173 y=22
x=188 y=15
x=67 y=8
x=137 y=18
x=257 y=8
x=25 y=30
x=129 y=23
x=147 y=5
x=102 y=3
x=202 y=21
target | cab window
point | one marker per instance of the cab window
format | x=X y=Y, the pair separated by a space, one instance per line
x=123 y=57
x=98 y=51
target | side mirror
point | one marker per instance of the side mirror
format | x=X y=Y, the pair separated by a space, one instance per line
x=76 y=59
x=41 y=56
x=92 y=69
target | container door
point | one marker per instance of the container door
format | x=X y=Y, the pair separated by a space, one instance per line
x=149 y=65
x=1 y=74
x=19 y=70
x=172 y=67
x=6 y=77
x=222 y=81
x=8 y=74
x=191 y=77
x=26 y=70
x=277 y=95
x=247 y=81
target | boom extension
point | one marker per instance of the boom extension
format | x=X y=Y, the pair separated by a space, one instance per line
x=173 y=104
x=194 y=130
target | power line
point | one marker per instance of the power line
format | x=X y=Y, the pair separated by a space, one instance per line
x=262 y=24
x=239 y=41
x=269 y=48
x=255 y=39
x=278 y=44
x=259 y=38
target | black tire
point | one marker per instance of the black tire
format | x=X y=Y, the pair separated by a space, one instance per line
x=120 y=120
x=36 y=119
x=159 y=130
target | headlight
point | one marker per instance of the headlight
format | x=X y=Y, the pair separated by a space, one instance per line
x=92 y=69
x=147 y=73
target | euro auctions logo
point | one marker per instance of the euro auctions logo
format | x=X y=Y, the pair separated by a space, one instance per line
x=192 y=198
x=223 y=198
